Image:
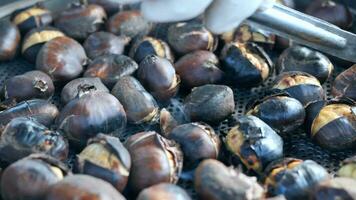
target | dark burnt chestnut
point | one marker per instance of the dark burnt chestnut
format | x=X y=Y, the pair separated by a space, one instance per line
x=139 y=105
x=298 y=58
x=199 y=68
x=105 y=157
x=150 y=46
x=31 y=17
x=254 y=142
x=245 y=64
x=79 y=21
x=23 y=136
x=214 y=181
x=109 y=68
x=301 y=86
x=30 y=85
x=348 y=168
x=293 y=178
x=31 y=177
x=163 y=191
x=336 y=188
x=9 y=40
x=62 y=58
x=209 y=103
x=159 y=77
x=110 y=6
x=162 y=160
x=83 y=187
x=345 y=83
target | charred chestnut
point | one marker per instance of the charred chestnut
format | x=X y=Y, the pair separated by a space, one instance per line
x=336 y=188
x=62 y=58
x=163 y=191
x=298 y=58
x=246 y=65
x=348 y=168
x=214 y=181
x=254 y=142
x=345 y=83
x=9 y=40
x=31 y=17
x=162 y=159
x=199 y=68
x=105 y=157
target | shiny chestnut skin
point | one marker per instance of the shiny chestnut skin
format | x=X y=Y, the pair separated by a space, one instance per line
x=9 y=40
x=209 y=103
x=254 y=142
x=139 y=105
x=293 y=178
x=345 y=83
x=214 y=181
x=163 y=191
x=298 y=58
x=336 y=188
x=31 y=17
x=199 y=68
x=83 y=187
x=109 y=68
x=105 y=157
x=62 y=58
x=162 y=158
x=348 y=168
x=110 y=6
x=79 y=21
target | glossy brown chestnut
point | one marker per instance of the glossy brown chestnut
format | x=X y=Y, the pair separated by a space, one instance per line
x=199 y=68
x=83 y=187
x=214 y=181
x=139 y=105
x=345 y=84
x=348 y=168
x=62 y=58
x=105 y=157
x=79 y=21
x=31 y=177
x=9 y=40
x=162 y=160
x=336 y=188
x=31 y=17
x=163 y=191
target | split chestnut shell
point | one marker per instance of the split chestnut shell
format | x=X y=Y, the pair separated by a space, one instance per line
x=31 y=17
x=345 y=84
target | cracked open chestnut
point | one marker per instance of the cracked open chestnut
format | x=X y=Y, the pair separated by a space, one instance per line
x=154 y=160
x=345 y=83
x=9 y=40
x=105 y=157
x=163 y=191
x=348 y=168
x=336 y=188
x=254 y=142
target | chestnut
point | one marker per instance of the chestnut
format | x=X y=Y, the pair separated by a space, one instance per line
x=245 y=64
x=159 y=77
x=30 y=85
x=83 y=187
x=110 y=6
x=9 y=40
x=214 y=181
x=293 y=178
x=35 y=39
x=345 y=83
x=336 y=188
x=199 y=68
x=150 y=46
x=254 y=142
x=209 y=103
x=79 y=21
x=105 y=157
x=31 y=17
x=154 y=160
x=281 y=112
x=163 y=191
x=168 y=122
x=298 y=58
x=62 y=58
x=109 y=68
x=139 y=105
x=31 y=177
x=348 y=168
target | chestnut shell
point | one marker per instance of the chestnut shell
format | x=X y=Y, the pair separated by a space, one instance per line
x=9 y=40
x=345 y=84
x=110 y=6
x=31 y=17
x=163 y=191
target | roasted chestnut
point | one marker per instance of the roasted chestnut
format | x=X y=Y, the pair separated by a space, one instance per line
x=336 y=188
x=199 y=68
x=110 y=6
x=159 y=77
x=214 y=181
x=245 y=64
x=293 y=178
x=254 y=142
x=150 y=46
x=31 y=177
x=30 y=85
x=348 y=168
x=83 y=187
x=185 y=37
x=105 y=157
x=139 y=105
x=9 y=40
x=298 y=58
x=109 y=68
x=345 y=83
x=79 y=21
x=62 y=58
x=209 y=103
x=31 y=17
x=154 y=160
x=163 y=191
x=281 y=112
x=168 y=122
